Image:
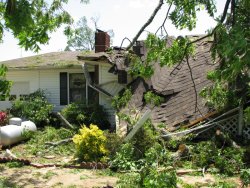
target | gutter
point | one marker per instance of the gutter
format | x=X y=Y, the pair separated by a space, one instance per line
x=89 y=82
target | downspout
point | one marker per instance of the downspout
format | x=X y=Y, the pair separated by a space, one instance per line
x=89 y=82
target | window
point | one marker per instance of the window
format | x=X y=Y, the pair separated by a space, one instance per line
x=73 y=88
x=77 y=87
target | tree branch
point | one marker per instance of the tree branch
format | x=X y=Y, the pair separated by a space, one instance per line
x=225 y=11
x=195 y=90
x=146 y=24
x=162 y=25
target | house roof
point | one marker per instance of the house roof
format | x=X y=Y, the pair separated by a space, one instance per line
x=58 y=60
x=182 y=104
x=114 y=57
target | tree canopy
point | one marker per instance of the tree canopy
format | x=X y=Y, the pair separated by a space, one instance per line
x=31 y=21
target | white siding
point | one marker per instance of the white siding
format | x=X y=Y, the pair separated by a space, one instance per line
x=47 y=80
x=30 y=77
x=109 y=82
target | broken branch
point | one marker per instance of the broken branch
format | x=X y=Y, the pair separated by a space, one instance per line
x=64 y=121
x=145 y=25
x=59 y=142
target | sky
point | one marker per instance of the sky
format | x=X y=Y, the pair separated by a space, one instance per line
x=124 y=17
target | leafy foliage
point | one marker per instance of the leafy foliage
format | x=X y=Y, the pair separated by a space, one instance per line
x=158 y=51
x=5 y=85
x=219 y=96
x=36 y=144
x=184 y=14
x=80 y=113
x=228 y=160
x=245 y=176
x=124 y=158
x=113 y=143
x=90 y=144
x=35 y=108
x=153 y=99
x=32 y=21
x=121 y=101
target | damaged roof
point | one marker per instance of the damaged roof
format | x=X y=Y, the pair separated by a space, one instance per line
x=182 y=104
x=55 y=59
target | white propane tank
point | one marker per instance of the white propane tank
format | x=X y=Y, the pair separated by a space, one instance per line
x=28 y=125
x=11 y=134
x=15 y=121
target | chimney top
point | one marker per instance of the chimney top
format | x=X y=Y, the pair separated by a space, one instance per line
x=102 y=41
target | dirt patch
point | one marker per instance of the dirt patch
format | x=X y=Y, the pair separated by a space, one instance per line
x=28 y=177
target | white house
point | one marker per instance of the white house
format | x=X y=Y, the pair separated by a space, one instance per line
x=61 y=76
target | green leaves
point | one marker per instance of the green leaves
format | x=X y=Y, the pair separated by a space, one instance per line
x=5 y=85
x=158 y=51
x=185 y=12
x=31 y=21
x=153 y=99
x=120 y=101
x=219 y=96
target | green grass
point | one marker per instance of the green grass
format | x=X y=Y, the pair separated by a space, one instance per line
x=49 y=175
x=36 y=145
x=6 y=183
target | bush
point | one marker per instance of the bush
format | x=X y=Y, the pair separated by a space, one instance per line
x=245 y=177
x=144 y=139
x=228 y=160
x=90 y=144
x=80 y=113
x=35 y=108
x=3 y=118
x=124 y=158
x=114 y=141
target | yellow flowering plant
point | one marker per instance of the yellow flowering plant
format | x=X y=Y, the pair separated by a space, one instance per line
x=90 y=143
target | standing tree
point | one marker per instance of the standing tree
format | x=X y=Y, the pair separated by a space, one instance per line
x=82 y=37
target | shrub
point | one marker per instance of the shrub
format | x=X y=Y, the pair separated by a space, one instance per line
x=114 y=141
x=3 y=118
x=228 y=160
x=245 y=177
x=80 y=113
x=160 y=179
x=124 y=158
x=144 y=139
x=35 y=107
x=129 y=180
x=90 y=144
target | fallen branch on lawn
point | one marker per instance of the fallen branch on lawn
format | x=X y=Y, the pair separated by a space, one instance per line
x=63 y=120
x=59 y=142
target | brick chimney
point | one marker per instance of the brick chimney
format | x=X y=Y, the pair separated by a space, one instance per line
x=102 y=41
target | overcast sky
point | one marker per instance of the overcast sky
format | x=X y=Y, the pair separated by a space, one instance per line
x=124 y=17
